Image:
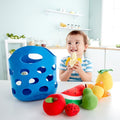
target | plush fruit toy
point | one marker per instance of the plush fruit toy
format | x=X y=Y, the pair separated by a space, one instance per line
x=98 y=91
x=74 y=95
x=73 y=59
x=72 y=109
x=89 y=100
x=106 y=93
x=106 y=78
x=54 y=104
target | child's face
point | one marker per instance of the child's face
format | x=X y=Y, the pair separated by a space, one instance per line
x=75 y=43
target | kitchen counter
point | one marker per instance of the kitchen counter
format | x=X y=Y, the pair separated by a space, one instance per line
x=12 y=109
x=104 y=48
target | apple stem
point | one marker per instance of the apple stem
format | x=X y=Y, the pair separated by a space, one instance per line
x=85 y=85
x=55 y=99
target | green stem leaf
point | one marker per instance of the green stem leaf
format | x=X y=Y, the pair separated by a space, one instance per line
x=49 y=100
x=104 y=70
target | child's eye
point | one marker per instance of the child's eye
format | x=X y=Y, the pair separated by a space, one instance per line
x=69 y=43
x=77 y=42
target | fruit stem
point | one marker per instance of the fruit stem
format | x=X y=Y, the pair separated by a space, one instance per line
x=85 y=85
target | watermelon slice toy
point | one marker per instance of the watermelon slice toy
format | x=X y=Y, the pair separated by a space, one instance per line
x=74 y=95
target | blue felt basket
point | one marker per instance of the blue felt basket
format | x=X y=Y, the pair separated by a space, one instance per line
x=33 y=73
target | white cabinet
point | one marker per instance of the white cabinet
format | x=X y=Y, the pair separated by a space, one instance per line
x=59 y=53
x=101 y=59
x=97 y=57
x=113 y=62
x=21 y=42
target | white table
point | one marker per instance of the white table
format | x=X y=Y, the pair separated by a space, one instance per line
x=13 y=109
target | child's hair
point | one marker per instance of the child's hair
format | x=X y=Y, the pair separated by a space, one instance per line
x=78 y=32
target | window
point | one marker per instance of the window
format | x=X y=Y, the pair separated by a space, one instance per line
x=110 y=23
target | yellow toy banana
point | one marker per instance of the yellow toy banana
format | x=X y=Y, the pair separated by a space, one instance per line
x=73 y=59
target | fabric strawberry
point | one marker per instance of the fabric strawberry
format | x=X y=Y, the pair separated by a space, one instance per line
x=72 y=109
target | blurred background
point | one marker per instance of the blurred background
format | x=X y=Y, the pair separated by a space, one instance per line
x=49 y=21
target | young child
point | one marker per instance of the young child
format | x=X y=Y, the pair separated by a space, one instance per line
x=76 y=41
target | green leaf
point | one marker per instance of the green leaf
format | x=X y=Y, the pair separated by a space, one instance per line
x=104 y=70
x=8 y=34
x=49 y=100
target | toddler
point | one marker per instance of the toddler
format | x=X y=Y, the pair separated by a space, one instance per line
x=76 y=42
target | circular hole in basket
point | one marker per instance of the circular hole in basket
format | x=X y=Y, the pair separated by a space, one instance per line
x=13 y=91
x=32 y=58
x=35 y=56
x=56 y=84
x=18 y=82
x=11 y=72
x=49 y=77
x=27 y=91
x=24 y=72
x=54 y=67
x=33 y=80
x=43 y=89
x=41 y=69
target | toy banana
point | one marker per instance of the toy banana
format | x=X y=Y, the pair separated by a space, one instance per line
x=73 y=59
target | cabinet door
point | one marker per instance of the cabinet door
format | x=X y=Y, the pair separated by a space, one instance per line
x=97 y=58
x=113 y=61
x=59 y=53
x=12 y=44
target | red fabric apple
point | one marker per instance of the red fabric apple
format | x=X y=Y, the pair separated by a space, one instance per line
x=54 y=104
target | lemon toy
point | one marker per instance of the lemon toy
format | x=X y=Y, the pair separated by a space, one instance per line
x=98 y=91
x=73 y=59
x=106 y=78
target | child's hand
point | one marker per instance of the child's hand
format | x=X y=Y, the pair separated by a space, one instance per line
x=77 y=67
x=69 y=68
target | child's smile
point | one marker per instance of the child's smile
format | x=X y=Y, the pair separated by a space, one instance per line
x=75 y=43
x=72 y=50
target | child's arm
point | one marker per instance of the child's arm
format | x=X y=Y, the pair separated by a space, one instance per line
x=64 y=75
x=85 y=76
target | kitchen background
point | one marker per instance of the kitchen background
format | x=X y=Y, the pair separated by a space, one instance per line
x=41 y=20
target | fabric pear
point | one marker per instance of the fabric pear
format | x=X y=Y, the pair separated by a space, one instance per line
x=89 y=100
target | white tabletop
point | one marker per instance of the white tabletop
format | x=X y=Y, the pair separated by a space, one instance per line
x=12 y=109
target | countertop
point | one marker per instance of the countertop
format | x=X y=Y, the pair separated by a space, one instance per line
x=12 y=109
x=90 y=47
